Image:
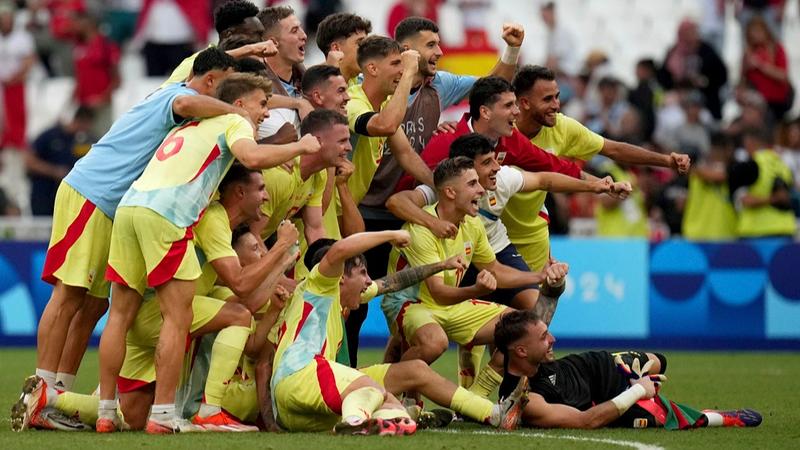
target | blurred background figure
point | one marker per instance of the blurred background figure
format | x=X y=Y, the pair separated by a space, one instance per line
x=765 y=68
x=560 y=43
x=171 y=30
x=52 y=155
x=410 y=8
x=694 y=61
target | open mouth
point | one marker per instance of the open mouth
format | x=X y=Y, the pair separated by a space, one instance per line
x=302 y=50
x=474 y=203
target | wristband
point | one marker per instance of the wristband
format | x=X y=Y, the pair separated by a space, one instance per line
x=628 y=398
x=510 y=56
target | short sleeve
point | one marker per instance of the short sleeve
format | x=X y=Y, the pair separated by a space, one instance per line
x=452 y=88
x=423 y=248
x=318 y=189
x=239 y=128
x=357 y=106
x=510 y=181
x=213 y=234
x=523 y=153
x=319 y=284
x=428 y=194
x=170 y=93
x=583 y=143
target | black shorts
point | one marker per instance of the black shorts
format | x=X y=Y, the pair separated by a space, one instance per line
x=510 y=257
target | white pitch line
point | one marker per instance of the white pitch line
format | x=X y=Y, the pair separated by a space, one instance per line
x=631 y=444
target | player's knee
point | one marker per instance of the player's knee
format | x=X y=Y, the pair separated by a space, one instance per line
x=433 y=347
x=94 y=308
x=240 y=315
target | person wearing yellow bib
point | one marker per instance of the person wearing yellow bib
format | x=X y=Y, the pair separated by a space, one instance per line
x=540 y=120
x=709 y=214
x=765 y=208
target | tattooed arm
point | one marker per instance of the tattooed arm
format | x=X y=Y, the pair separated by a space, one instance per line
x=550 y=291
x=414 y=275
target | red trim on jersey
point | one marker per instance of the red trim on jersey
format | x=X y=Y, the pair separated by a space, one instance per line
x=209 y=159
x=544 y=216
x=658 y=412
x=307 y=308
x=400 y=317
x=125 y=385
x=57 y=254
x=114 y=277
x=327 y=385
x=169 y=264
x=324 y=346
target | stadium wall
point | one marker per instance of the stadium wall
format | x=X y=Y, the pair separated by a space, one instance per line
x=621 y=293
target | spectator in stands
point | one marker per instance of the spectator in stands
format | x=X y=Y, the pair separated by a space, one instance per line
x=606 y=117
x=769 y=10
x=61 y=14
x=692 y=137
x=560 y=43
x=17 y=56
x=709 y=214
x=712 y=23
x=96 y=71
x=765 y=68
x=647 y=96
x=121 y=18
x=616 y=217
x=52 y=156
x=753 y=114
x=170 y=29
x=765 y=208
x=410 y=8
x=36 y=19
x=694 y=61
x=789 y=148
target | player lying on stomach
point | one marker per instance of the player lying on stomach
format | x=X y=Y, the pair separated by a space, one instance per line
x=595 y=389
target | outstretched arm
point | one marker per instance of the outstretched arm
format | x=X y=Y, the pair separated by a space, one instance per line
x=415 y=275
x=332 y=264
x=556 y=182
x=264 y=156
x=632 y=154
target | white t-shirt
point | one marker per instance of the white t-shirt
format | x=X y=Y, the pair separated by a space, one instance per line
x=491 y=205
x=14 y=48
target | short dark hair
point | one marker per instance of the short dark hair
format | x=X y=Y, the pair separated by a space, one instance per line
x=410 y=26
x=340 y=26
x=486 y=91
x=251 y=65
x=319 y=248
x=84 y=113
x=270 y=17
x=238 y=232
x=376 y=47
x=319 y=119
x=471 y=146
x=239 y=84
x=511 y=327
x=237 y=174
x=212 y=58
x=451 y=168
x=233 y=13
x=761 y=134
x=316 y=75
x=235 y=41
x=528 y=75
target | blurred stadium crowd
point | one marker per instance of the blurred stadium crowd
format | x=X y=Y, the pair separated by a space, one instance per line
x=67 y=67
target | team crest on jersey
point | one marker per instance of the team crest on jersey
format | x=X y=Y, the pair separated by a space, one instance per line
x=640 y=423
x=468 y=248
x=501 y=156
x=492 y=199
x=91 y=276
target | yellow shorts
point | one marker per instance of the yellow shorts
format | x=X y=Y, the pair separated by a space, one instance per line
x=139 y=368
x=147 y=250
x=241 y=400
x=220 y=293
x=310 y=399
x=79 y=242
x=535 y=254
x=461 y=322
x=377 y=372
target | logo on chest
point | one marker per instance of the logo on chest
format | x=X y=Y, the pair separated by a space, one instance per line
x=468 y=248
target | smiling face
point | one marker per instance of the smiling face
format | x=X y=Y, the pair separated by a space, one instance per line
x=291 y=40
x=248 y=249
x=465 y=191
x=352 y=285
x=349 y=47
x=486 y=166
x=501 y=114
x=542 y=102
x=536 y=346
x=387 y=72
x=335 y=144
x=254 y=194
x=332 y=94
x=255 y=103
x=427 y=43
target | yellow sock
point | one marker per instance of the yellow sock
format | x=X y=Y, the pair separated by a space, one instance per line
x=486 y=382
x=80 y=405
x=361 y=403
x=471 y=405
x=225 y=355
x=390 y=413
x=469 y=360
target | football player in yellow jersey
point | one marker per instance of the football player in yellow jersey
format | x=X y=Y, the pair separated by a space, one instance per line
x=541 y=121
x=151 y=240
x=428 y=316
x=338 y=37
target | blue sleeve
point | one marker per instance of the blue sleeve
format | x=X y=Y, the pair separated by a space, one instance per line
x=168 y=97
x=452 y=88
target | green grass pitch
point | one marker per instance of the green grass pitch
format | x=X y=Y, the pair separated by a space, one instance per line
x=765 y=381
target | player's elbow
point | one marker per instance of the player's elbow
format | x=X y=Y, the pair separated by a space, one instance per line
x=383 y=127
x=249 y=159
x=182 y=105
x=392 y=204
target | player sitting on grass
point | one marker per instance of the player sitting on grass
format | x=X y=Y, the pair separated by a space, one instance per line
x=595 y=389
